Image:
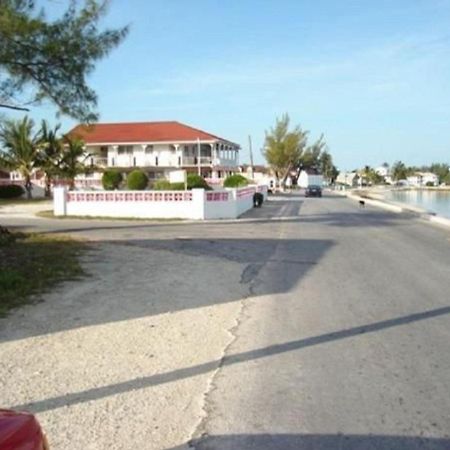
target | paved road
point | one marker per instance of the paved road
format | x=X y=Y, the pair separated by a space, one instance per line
x=341 y=330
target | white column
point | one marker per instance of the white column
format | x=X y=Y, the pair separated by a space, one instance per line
x=59 y=201
x=114 y=154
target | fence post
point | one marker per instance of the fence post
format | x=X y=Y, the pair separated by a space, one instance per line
x=59 y=201
x=198 y=203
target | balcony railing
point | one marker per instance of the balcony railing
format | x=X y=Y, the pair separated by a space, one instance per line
x=194 y=160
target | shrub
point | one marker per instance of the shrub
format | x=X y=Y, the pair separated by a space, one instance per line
x=137 y=180
x=429 y=184
x=234 y=181
x=161 y=185
x=11 y=191
x=195 y=181
x=177 y=186
x=111 y=180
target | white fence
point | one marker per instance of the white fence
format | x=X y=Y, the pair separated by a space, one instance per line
x=195 y=204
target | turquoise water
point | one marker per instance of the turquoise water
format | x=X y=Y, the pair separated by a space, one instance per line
x=433 y=201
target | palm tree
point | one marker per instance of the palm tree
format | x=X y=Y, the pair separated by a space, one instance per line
x=20 y=148
x=72 y=160
x=50 y=153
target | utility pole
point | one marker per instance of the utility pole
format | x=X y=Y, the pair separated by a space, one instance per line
x=199 y=167
x=251 y=156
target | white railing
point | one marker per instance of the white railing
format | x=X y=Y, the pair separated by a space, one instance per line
x=194 y=160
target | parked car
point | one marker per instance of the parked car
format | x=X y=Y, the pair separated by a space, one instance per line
x=313 y=191
x=20 y=431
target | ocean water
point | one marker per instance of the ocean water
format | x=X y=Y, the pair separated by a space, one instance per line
x=433 y=201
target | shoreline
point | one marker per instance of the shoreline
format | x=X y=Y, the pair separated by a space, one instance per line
x=377 y=199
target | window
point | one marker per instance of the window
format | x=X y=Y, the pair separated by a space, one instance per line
x=125 y=149
x=156 y=160
x=149 y=149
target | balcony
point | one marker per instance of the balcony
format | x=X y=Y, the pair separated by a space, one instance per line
x=194 y=161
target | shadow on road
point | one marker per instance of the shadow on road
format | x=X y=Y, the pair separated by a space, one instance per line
x=272 y=350
x=316 y=442
x=137 y=278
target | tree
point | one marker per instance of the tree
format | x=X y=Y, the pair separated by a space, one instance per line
x=310 y=159
x=52 y=57
x=399 y=171
x=283 y=148
x=71 y=163
x=49 y=154
x=21 y=148
x=441 y=170
x=326 y=166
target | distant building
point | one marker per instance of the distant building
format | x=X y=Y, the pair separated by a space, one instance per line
x=423 y=179
x=350 y=179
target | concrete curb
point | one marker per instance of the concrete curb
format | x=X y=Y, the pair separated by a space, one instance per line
x=402 y=209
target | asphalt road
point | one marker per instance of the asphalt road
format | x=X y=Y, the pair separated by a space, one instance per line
x=341 y=340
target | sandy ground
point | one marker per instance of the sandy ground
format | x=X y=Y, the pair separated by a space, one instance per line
x=123 y=358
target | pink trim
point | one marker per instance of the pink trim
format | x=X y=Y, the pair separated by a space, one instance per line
x=74 y=196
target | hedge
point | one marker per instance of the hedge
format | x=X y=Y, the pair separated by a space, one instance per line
x=137 y=180
x=111 y=179
x=11 y=191
x=193 y=182
x=234 y=181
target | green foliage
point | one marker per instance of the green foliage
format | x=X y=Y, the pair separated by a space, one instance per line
x=446 y=180
x=20 y=148
x=283 y=148
x=441 y=170
x=235 y=180
x=111 y=179
x=162 y=185
x=49 y=154
x=71 y=163
x=31 y=264
x=53 y=57
x=429 y=184
x=400 y=171
x=137 y=180
x=195 y=181
x=177 y=186
x=11 y=191
x=369 y=176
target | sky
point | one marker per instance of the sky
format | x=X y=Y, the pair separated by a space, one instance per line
x=372 y=76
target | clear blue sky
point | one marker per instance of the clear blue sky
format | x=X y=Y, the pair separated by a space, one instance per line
x=373 y=76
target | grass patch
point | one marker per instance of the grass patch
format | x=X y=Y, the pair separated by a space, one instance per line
x=23 y=201
x=30 y=264
x=49 y=215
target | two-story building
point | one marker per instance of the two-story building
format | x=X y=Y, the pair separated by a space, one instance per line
x=157 y=148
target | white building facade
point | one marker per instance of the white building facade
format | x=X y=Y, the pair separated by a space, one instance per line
x=157 y=148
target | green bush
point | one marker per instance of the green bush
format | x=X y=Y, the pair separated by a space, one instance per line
x=195 y=181
x=429 y=184
x=137 y=180
x=177 y=186
x=11 y=191
x=161 y=185
x=234 y=181
x=111 y=180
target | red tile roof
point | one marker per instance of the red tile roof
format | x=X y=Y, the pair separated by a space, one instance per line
x=141 y=132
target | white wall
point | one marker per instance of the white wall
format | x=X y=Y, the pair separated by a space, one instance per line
x=195 y=204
